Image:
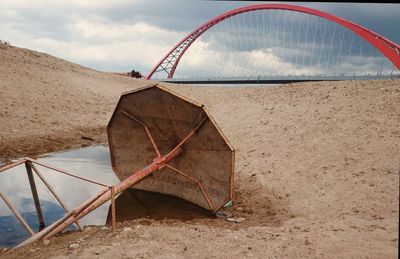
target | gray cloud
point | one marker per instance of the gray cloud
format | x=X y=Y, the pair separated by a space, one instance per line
x=123 y=34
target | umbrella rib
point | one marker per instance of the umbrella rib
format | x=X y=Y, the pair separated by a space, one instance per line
x=190 y=134
x=178 y=146
x=153 y=143
x=205 y=194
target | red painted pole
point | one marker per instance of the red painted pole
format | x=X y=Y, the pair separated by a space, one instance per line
x=87 y=207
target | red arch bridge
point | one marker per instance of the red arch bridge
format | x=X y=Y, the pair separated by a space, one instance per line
x=278 y=43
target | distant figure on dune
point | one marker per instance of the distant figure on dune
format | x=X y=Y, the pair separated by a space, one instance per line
x=135 y=74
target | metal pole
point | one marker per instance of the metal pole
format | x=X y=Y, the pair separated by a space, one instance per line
x=50 y=228
x=35 y=196
x=113 y=223
x=58 y=198
x=16 y=213
x=64 y=172
x=100 y=199
x=14 y=164
x=105 y=195
x=203 y=190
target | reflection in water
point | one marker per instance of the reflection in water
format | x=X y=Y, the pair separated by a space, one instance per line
x=11 y=230
x=91 y=162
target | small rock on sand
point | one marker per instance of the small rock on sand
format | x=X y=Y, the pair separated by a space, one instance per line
x=223 y=214
x=46 y=242
x=73 y=246
x=236 y=220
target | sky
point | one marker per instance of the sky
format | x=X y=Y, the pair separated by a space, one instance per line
x=122 y=35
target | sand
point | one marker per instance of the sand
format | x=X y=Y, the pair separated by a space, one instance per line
x=317 y=164
x=47 y=103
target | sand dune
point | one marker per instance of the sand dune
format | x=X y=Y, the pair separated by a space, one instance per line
x=317 y=170
x=48 y=103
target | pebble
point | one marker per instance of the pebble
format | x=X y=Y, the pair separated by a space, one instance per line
x=73 y=246
x=104 y=228
x=88 y=228
x=223 y=214
x=46 y=242
x=126 y=229
x=236 y=220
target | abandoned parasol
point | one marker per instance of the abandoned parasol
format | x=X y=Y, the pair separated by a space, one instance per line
x=161 y=142
x=151 y=122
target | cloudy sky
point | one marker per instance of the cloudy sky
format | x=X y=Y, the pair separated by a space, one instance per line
x=120 y=35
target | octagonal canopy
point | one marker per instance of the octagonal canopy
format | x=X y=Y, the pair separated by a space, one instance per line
x=149 y=123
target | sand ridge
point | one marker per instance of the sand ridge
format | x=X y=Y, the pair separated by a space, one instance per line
x=48 y=103
x=317 y=164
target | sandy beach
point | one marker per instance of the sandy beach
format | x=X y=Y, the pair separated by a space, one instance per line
x=317 y=164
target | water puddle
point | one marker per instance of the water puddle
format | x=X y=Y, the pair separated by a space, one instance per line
x=91 y=162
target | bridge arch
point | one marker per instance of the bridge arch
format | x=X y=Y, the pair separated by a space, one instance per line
x=170 y=61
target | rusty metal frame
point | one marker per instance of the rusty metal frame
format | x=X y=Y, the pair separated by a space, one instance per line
x=113 y=218
x=17 y=215
x=110 y=192
x=29 y=164
x=164 y=87
x=12 y=165
x=64 y=172
x=205 y=194
x=153 y=143
x=232 y=172
x=35 y=196
x=51 y=189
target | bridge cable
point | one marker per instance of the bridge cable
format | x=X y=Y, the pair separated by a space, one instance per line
x=264 y=44
x=330 y=48
x=259 y=43
x=298 y=42
x=313 y=45
x=350 y=48
x=359 y=56
x=322 y=48
x=306 y=38
x=340 y=51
